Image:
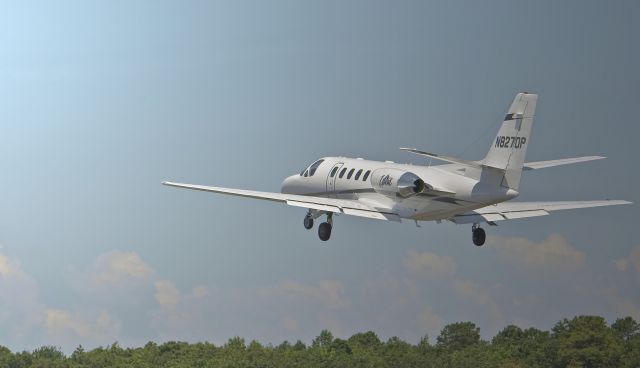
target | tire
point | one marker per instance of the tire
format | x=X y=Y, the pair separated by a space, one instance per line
x=308 y=222
x=324 y=231
x=479 y=236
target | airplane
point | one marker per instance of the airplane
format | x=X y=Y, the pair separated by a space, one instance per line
x=460 y=191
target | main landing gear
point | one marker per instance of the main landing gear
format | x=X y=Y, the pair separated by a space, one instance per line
x=308 y=221
x=324 y=230
x=478 y=235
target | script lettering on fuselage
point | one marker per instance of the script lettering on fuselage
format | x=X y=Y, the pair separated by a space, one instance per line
x=385 y=180
x=510 y=142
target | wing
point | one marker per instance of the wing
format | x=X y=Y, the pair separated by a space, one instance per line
x=565 y=161
x=347 y=207
x=515 y=210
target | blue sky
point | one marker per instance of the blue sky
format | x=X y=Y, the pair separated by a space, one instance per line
x=101 y=101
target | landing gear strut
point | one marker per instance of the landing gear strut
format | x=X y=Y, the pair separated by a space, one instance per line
x=478 y=235
x=324 y=230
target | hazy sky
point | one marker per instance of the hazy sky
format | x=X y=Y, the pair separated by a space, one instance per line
x=101 y=101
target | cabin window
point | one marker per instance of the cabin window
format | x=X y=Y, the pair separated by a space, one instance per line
x=342 y=172
x=358 y=175
x=350 y=173
x=333 y=172
x=366 y=175
x=314 y=167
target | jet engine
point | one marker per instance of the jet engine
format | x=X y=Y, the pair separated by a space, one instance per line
x=392 y=182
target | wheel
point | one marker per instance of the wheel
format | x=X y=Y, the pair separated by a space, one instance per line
x=308 y=222
x=479 y=236
x=324 y=231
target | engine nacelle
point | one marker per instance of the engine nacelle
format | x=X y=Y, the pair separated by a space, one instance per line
x=392 y=182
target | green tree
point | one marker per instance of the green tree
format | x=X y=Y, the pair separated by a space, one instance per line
x=586 y=341
x=235 y=343
x=323 y=341
x=626 y=328
x=365 y=340
x=340 y=346
x=631 y=356
x=5 y=356
x=423 y=346
x=456 y=336
x=79 y=355
x=47 y=356
x=21 y=360
x=509 y=335
x=299 y=345
x=51 y=353
x=530 y=347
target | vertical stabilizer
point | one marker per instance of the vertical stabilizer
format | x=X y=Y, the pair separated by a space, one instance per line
x=510 y=146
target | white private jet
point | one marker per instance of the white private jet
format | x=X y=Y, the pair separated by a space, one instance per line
x=463 y=192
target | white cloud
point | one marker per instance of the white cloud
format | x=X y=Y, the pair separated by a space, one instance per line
x=431 y=263
x=631 y=261
x=474 y=293
x=21 y=310
x=625 y=308
x=60 y=321
x=430 y=321
x=117 y=267
x=9 y=268
x=290 y=324
x=328 y=292
x=200 y=291
x=553 y=252
x=167 y=294
x=62 y=324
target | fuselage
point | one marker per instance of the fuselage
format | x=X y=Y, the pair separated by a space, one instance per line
x=451 y=189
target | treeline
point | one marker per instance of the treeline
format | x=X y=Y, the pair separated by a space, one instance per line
x=584 y=341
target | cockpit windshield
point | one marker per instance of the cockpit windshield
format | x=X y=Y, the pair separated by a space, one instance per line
x=311 y=169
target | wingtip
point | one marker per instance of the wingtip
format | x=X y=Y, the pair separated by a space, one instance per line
x=619 y=201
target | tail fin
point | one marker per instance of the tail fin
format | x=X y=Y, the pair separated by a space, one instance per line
x=510 y=146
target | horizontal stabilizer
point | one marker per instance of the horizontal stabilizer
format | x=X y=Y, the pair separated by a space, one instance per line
x=452 y=160
x=565 y=161
x=515 y=210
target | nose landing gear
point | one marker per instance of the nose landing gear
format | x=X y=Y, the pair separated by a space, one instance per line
x=478 y=235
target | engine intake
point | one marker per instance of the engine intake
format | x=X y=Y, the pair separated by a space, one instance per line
x=392 y=182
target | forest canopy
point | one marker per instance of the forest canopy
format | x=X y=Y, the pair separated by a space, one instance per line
x=584 y=341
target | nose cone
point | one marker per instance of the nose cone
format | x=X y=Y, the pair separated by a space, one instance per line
x=289 y=184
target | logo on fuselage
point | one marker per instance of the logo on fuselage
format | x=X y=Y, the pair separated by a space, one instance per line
x=385 y=180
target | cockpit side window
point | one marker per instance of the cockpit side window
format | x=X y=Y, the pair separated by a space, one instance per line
x=314 y=167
